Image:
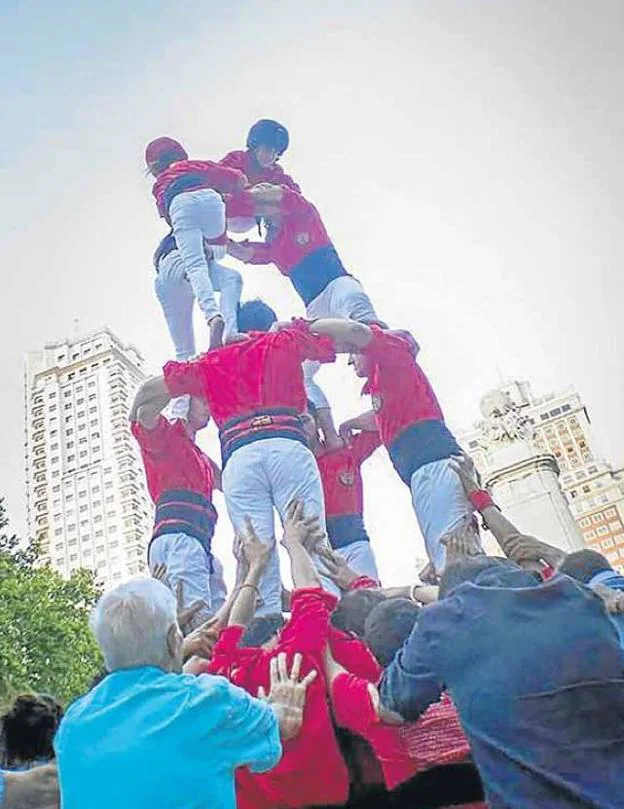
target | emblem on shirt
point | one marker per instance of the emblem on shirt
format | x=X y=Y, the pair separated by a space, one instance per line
x=302 y=238
x=346 y=478
x=377 y=402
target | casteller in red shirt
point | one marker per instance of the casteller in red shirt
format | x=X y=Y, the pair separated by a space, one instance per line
x=312 y=770
x=341 y=476
x=300 y=247
x=180 y=480
x=254 y=388
x=407 y=413
x=245 y=161
x=193 y=175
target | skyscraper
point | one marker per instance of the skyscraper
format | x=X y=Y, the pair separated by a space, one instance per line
x=593 y=488
x=86 y=496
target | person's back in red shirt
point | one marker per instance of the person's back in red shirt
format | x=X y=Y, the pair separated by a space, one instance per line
x=312 y=771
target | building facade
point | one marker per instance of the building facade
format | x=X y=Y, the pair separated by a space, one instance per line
x=86 y=497
x=593 y=488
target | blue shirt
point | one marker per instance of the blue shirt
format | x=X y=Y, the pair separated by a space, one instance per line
x=146 y=739
x=537 y=675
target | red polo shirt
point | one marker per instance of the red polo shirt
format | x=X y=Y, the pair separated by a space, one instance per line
x=244 y=161
x=261 y=373
x=301 y=231
x=400 y=391
x=312 y=770
x=341 y=474
x=172 y=460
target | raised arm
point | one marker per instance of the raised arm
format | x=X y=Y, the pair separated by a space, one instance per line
x=297 y=531
x=149 y=402
x=349 y=335
x=256 y=555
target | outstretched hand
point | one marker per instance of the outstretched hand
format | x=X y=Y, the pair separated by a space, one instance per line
x=187 y=615
x=201 y=641
x=461 y=542
x=337 y=569
x=255 y=552
x=306 y=531
x=287 y=693
x=464 y=466
x=522 y=548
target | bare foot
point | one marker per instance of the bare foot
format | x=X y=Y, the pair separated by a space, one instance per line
x=236 y=337
x=217 y=325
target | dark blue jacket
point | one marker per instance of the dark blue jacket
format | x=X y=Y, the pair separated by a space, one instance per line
x=537 y=675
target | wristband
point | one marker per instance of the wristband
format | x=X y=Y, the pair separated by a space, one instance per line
x=253 y=587
x=481 y=499
x=413 y=589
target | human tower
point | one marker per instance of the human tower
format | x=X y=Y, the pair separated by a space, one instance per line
x=279 y=443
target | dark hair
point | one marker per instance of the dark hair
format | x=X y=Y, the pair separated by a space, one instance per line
x=467 y=569
x=29 y=726
x=388 y=626
x=353 y=609
x=584 y=565
x=262 y=629
x=255 y=315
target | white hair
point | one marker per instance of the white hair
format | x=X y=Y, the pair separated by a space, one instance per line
x=131 y=624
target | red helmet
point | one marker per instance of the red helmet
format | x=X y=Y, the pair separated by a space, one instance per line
x=164 y=147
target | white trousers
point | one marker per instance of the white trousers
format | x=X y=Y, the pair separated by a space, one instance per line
x=186 y=561
x=440 y=505
x=360 y=558
x=195 y=216
x=343 y=297
x=260 y=477
x=177 y=296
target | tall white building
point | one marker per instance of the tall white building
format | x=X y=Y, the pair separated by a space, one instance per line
x=593 y=488
x=86 y=495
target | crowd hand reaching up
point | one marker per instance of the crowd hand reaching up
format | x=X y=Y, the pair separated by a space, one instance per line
x=464 y=466
x=428 y=575
x=303 y=531
x=337 y=569
x=255 y=553
x=461 y=542
x=287 y=694
x=186 y=616
x=522 y=548
x=200 y=642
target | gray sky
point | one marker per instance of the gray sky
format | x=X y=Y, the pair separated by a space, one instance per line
x=464 y=157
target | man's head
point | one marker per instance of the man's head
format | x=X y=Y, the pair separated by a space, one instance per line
x=485 y=571
x=584 y=565
x=263 y=631
x=198 y=413
x=162 y=153
x=135 y=625
x=388 y=626
x=29 y=726
x=267 y=141
x=361 y=364
x=255 y=315
x=353 y=609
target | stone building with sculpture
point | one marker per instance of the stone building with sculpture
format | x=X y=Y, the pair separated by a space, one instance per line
x=538 y=457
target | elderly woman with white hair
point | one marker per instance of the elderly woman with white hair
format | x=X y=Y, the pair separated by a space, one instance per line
x=150 y=736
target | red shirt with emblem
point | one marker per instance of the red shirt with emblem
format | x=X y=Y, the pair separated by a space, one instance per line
x=301 y=231
x=341 y=474
x=206 y=175
x=257 y=374
x=244 y=161
x=172 y=460
x=295 y=781
x=400 y=391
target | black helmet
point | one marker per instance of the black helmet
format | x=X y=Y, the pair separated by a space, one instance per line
x=268 y=133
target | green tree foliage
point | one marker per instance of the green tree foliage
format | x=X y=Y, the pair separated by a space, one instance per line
x=45 y=642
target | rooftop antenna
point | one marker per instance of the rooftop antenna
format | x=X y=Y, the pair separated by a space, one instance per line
x=76 y=334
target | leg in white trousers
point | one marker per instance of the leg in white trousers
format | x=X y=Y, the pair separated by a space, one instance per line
x=440 y=505
x=176 y=297
x=267 y=474
x=360 y=558
x=186 y=561
x=345 y=298
x=196 y=215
